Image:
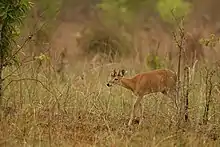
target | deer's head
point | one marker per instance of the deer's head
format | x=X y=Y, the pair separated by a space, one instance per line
x=115 y=77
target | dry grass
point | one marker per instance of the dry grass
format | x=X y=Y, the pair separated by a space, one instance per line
x=75 y=108
x=40 y=110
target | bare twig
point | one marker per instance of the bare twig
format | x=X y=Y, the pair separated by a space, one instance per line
x=208 y=94
x=179 y=40
x=35 y=80
x=186 y=93
x=26 y=41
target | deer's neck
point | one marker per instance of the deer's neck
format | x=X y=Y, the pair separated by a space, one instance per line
x=128 y=84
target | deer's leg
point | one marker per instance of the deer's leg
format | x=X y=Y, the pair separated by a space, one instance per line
x=172 y=95
x=142 y=112
x=133 y=110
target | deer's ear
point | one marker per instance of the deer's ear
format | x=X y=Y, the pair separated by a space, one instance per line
x=113 y=73
x=123 y=72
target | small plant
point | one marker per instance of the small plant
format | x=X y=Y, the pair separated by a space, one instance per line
x=154 y=61
x=211 y=42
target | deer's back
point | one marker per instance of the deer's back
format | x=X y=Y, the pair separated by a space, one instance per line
x=155 y=81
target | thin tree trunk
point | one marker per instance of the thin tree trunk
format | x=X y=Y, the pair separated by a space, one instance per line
x=1 y=77
x=1 y=66
x=4 y=44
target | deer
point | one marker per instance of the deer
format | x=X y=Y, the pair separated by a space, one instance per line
x=159 y=80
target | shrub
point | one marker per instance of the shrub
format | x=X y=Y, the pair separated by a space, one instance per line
x=154 y=61
x=104 y=40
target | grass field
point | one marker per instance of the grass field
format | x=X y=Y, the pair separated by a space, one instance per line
x=41 y=110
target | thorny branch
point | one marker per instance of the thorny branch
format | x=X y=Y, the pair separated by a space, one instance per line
x=38 y=81
x=208 y=94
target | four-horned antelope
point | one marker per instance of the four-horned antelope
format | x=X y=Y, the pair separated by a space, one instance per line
x=161 y=80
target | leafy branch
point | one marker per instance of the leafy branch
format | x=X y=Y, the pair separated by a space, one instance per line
x=12 y=12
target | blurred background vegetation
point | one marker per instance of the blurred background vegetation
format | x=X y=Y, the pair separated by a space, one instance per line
x=56 y=94
x=116 y=27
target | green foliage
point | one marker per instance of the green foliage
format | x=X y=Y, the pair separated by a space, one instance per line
x=116 y=11
x=12 y=12
x=179 y=7
x=211 y=42
x=42 y=57
x=154 y=61
x=50 y=8
x=124 y=11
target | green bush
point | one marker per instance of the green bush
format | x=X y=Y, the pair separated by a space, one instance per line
x=154 y=61
x=106 y=41
x=179 y=7
x=125 y=12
